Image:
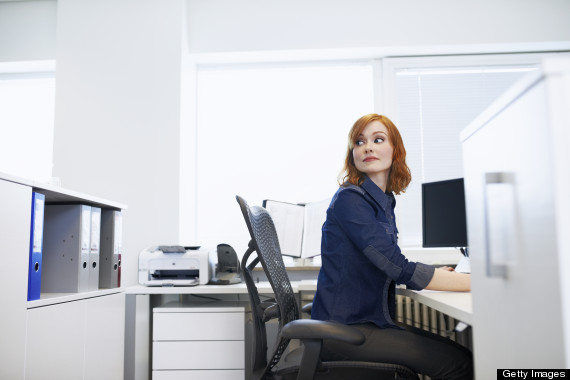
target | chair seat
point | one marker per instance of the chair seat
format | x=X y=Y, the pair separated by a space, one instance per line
x=289 y=366
x=342 y=370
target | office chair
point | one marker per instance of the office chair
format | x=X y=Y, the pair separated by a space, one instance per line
x=284 y=306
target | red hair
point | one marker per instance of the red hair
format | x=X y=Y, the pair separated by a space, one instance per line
x=400 y=175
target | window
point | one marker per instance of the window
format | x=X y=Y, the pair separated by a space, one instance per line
x=270 y=132
x=279 y=131
x=27 y=103
x=432 y=100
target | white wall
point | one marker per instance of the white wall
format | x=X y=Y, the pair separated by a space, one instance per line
x=216 y=26
x=117 y=112
x=27 y=30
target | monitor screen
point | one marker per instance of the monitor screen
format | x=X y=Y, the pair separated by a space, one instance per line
x=443 y=214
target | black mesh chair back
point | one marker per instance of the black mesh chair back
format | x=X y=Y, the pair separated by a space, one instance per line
x=264 y=241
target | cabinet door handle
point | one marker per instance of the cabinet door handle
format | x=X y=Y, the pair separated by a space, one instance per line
x=500 y=222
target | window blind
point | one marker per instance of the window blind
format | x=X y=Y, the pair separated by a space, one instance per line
x=433 y=106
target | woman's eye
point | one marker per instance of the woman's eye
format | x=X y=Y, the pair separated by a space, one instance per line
x=378 y=140
x=359 y=142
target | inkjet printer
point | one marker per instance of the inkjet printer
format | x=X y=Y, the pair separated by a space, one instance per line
x=174 y=266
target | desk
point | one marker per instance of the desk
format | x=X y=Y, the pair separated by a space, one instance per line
x=263 y=287
x=140 y=300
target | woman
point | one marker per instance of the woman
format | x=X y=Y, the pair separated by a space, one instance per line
x=362 y=263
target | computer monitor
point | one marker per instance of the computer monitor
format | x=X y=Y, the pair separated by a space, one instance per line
x=443 y=214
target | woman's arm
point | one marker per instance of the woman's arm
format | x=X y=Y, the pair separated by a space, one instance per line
x=444 y=279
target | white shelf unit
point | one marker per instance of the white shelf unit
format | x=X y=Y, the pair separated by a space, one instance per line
x=61 y=335
x=199 y=341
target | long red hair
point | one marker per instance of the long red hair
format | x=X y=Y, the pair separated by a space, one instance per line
x=400 y=175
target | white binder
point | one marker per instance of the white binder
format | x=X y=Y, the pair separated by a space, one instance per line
x=111 y=247
x=94 y=248
x=67 y=229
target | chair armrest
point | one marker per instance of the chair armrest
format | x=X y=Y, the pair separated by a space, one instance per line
x=313 y=329
x=271 y=312
x=307 y=308
x=268 y=310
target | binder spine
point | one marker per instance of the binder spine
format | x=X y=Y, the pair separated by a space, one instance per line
x=111 y=247
x=94 y=248
x=118 y=243
x=83 y=284
x=36 y=245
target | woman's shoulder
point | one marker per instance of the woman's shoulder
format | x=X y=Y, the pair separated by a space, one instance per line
x=349 y=192
x=347 y=186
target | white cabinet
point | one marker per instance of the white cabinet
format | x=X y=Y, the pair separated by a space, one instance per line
x=81 y=339
x=55 y=341
x=60 y=336
x=15 y=212
x=204 y=341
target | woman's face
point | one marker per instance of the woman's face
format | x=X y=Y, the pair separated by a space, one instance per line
x=372 y=151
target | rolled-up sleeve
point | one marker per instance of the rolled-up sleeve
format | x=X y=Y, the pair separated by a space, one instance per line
x=421 y=277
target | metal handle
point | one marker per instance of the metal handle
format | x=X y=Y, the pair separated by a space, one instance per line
x=500 y=222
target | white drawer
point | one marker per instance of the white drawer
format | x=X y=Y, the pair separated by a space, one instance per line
x=199 y=375
x=198 y=355
x=198 y=326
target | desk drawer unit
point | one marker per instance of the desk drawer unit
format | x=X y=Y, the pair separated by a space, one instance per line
x=198 y=341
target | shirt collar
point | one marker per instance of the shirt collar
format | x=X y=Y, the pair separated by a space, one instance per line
x=383 y=199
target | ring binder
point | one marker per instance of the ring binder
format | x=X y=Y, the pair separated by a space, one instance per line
x=94 y=248
x=36 y=242
x=67 y=229
x=110 y=252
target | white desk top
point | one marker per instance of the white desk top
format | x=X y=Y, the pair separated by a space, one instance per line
x=200 y=289
x=455 y=304
x=307 y=285
x=262 y=286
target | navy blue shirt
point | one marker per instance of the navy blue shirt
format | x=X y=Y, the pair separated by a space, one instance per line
x=361 y=260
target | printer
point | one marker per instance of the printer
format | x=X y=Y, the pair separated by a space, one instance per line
x=174 y=266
